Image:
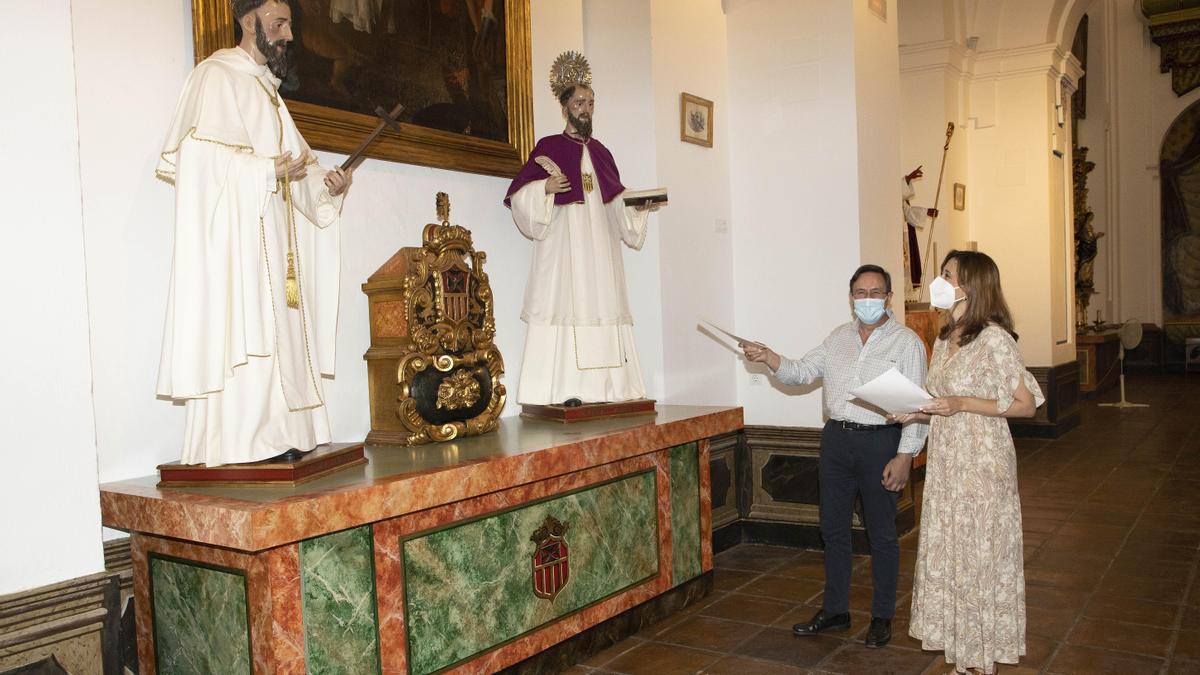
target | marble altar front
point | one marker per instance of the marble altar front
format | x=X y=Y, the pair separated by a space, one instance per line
x=423 y=560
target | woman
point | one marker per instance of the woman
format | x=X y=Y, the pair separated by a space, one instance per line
x=969 y=585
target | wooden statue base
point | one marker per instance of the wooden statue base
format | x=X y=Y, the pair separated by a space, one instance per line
x=588 y=411
x=326 y=459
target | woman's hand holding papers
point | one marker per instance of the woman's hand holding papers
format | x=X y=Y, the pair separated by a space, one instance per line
x=905 y=418
x=944 y=406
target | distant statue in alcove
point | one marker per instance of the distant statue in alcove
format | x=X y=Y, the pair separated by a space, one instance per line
x=915 y=217
x=1086 y=237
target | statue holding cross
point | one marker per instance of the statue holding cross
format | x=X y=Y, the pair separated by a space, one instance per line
x=253 y=298
x=386 y=119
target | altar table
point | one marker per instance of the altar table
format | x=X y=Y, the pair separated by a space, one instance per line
x=466 y=556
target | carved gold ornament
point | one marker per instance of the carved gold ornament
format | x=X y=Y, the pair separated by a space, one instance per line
x=460 y=390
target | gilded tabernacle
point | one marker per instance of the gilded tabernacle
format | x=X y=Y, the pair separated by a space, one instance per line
x=433 y=367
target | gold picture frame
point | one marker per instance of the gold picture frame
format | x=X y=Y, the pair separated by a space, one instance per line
x=960 y=197
x=340 y=130
x=695 y=120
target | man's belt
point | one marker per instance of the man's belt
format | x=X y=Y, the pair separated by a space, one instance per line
x=855 y=426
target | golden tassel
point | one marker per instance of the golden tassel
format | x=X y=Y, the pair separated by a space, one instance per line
x=291 y=287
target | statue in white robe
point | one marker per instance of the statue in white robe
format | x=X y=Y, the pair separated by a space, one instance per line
x=579 y=340
x=568 y=199
x=246 y=362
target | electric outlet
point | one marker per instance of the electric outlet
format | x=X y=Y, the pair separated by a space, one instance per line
x=722 y=226
x=757 y=379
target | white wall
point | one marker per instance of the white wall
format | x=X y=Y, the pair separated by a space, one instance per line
x=128 y=221
x=616 y=40
x=690 y=54
x=51 y=524
x=793 y=173
x=935 y=77
x=877 y=102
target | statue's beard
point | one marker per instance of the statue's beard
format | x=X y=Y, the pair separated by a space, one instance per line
x=276 y=52
x=582 y=125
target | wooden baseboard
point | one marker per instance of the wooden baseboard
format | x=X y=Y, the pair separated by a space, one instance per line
x=777 y=490
x=1060 y=413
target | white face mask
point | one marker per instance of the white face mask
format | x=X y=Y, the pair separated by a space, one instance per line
x=941 y=294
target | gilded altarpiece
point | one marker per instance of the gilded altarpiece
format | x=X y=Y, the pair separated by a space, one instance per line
x=433 y=367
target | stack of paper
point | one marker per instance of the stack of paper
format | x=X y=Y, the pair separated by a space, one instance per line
x=893 y=393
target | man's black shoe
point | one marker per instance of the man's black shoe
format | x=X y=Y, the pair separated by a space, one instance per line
x=822 y=622
x=880 y=633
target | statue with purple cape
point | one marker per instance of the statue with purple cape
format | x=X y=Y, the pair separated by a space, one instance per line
x=567 y=199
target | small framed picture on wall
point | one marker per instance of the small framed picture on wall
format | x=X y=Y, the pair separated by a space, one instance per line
x=960 y=196
x=695 y=120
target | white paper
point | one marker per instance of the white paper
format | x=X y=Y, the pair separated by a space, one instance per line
x=893 y=393
x=709 y=326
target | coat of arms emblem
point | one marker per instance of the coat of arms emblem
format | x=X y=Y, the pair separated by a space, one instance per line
x=551 y=560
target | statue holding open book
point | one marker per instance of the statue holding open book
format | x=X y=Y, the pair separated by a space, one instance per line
x=568 y=198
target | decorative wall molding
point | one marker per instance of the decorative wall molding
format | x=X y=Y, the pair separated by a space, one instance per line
x=74 y=621
x=778 y=493
x=723 y=471
x=946 y=56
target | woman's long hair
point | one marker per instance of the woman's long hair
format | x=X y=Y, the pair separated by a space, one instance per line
x=979 y=279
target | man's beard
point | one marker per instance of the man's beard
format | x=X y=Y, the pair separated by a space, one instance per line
x=276 y=52
x=582 y=126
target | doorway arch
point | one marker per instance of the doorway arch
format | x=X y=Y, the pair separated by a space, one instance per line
x=1179 y=169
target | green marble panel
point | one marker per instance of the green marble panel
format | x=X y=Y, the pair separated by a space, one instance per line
x=470 y=587
x=201 y=624
x=337 y=585
x=685 y=513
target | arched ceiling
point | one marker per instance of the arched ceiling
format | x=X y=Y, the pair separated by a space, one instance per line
x=998 y=24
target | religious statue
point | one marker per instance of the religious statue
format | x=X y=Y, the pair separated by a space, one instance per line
x=253 y=299
x=1086 y=238
x=568 y=198
x=915 y=217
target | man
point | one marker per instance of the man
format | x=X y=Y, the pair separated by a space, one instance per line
x=861 y=450
x=252 y=305
x=568 y=200
x=915 y=218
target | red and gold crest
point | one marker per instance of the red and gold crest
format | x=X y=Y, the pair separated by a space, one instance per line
x=551 y=559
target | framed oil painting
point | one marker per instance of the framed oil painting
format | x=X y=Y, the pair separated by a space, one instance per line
x=695 y=120
x=461 y=68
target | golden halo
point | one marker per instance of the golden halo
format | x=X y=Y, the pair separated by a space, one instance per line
x=569 y=69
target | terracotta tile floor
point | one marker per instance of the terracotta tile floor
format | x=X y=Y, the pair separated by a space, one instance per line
x=1112 y=538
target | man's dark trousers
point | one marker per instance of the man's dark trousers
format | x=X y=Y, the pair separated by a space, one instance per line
x=852 y=462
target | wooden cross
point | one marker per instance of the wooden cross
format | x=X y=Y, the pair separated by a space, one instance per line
x=386 y=119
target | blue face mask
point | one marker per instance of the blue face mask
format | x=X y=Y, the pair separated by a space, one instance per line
x=868 y=310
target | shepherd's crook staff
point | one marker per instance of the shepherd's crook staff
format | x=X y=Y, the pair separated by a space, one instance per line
x=936 y=196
